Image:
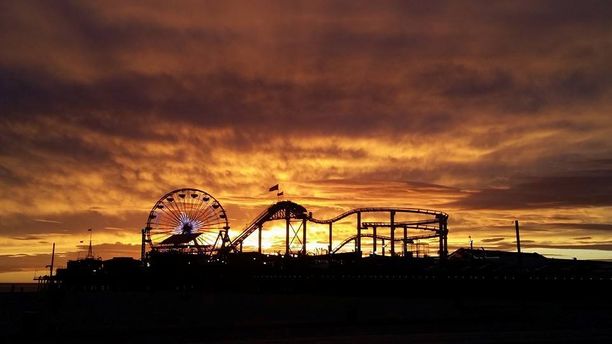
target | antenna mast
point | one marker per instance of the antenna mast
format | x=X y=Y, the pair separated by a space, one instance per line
x=52 y=261
x=90 y=250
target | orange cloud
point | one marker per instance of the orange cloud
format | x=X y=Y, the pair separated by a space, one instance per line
x=488 y=111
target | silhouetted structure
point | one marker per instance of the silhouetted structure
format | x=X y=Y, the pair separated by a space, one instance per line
x=188 y=247
x=191 y=220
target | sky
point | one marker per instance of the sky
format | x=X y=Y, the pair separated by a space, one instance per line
x=489 y=111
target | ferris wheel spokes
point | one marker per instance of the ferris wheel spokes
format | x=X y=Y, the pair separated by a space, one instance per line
x=187 y=220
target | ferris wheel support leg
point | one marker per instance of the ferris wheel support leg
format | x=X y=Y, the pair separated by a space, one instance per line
x=142 y=245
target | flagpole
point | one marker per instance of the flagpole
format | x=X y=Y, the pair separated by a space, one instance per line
x=275 y=187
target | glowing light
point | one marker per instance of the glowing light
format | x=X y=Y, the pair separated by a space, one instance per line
x=187 y=225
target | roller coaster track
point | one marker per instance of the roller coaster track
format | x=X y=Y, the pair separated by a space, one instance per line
x=423 y=225
x=289 y=210
x=250 y=228
x=280 y=210
x=382 y=237
x=381 y=209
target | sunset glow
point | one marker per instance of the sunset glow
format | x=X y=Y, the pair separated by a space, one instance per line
x=488 y=113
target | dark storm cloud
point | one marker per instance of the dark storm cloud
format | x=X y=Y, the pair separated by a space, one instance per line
x=461 y=81
x=332 y=104
x=230 y=100
x=36 y=93
x=75 y=27
x=513 y=92
x=220 y=100
x=594 y=189
x=8 y=177
x=382 y=45
x=554 y=13
x=366 y=102
x=103 y=33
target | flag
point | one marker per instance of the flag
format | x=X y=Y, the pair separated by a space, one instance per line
x=80 y=242
x=280 y=193
x=274 y=188
x=89 y=229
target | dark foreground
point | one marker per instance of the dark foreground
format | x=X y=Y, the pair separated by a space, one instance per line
x=359 y=312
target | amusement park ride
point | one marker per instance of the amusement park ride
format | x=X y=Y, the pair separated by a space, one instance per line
x=186 y=243
x=193 y=221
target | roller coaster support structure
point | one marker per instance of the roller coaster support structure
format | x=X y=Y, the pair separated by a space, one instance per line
x=436 y=225
x=329 y=249
x=304 y=236
x=374 y=240
x=358 y=240
x=287 y=240
x=392 y=216
x=443 y=237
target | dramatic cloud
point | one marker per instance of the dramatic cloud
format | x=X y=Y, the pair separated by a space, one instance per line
x=489 y=111
x=592 y=189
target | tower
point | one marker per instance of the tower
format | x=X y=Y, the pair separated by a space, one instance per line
x=90 y=249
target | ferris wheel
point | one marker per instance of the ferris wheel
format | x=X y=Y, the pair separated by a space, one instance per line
x=187 y=220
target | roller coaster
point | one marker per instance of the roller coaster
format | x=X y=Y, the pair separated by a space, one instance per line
x=193 y=221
